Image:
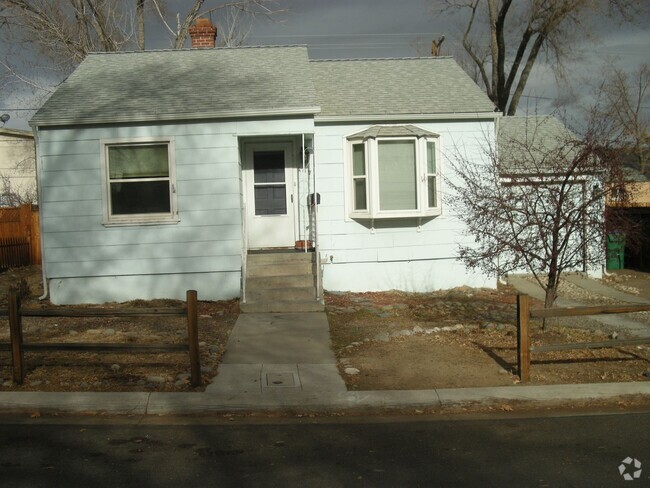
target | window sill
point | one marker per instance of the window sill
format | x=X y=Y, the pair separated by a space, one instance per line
x=138 y=222
x=396 y=215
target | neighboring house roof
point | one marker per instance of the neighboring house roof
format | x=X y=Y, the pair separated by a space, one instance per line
x=256 y=81
x=183 y=84
x=634 y=175
x=409 y=86
x=533 y=144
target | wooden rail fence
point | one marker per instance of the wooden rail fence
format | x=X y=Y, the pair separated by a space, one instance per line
x=525 y=313
x=17 y=346
x=19 y=236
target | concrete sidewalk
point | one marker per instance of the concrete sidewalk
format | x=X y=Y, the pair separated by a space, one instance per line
x=284 y=362
x=620 y=322
x=143 y=403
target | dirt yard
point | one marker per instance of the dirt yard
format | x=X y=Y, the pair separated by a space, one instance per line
x=459 y=338
x=463 y=338
x=74 y=371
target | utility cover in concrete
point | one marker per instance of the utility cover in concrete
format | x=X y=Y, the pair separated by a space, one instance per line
x=281 y=379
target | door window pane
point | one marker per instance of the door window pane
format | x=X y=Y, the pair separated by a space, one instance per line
x=397 y=177
x=268 y=166
x=270 y=188
x=270 y=200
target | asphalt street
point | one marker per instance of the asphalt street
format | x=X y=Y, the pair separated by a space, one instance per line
x=584 y=450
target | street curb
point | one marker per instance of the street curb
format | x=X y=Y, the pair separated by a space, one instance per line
x=153 y=404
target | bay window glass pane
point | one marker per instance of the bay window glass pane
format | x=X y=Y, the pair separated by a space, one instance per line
x=146 y=161
x=360 y=202
x=397 y=175
x=433 y=199
x=140 y=197
x=358 y=160
x=431 y=157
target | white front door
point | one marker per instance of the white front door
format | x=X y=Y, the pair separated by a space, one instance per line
x=269 y=186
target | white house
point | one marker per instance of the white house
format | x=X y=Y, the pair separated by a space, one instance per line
x=17 y=171
x=162 y=171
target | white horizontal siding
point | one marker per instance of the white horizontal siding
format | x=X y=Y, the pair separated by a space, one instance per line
x=210 y=286
x=379 y=255
x=143 y=251
x=415 y=276
x=122 y=266
x=114 y=236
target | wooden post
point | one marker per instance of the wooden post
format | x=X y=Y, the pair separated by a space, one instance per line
x=25 y=217
x=16 y=337
x=193 y=337
x=523 y=337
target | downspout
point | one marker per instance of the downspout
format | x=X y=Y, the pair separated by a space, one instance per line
x=319 y=290
x=39 y=193
x=301 y=215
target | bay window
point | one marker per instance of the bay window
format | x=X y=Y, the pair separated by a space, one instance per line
x=393 y=172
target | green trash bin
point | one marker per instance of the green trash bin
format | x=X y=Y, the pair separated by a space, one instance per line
x=616 y=251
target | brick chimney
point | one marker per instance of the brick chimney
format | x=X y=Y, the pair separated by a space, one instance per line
x=203 y=33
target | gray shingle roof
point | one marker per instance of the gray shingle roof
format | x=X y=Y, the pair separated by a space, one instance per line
x=396 y=86
x=533 y=144
x=166 y=85
x=232 y=82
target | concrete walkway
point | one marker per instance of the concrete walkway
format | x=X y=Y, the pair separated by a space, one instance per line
x=273 y=353
x=618 y=322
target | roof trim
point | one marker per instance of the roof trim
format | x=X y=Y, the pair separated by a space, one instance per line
x=375 y=117
x=401 y=130
x=17 y=133
x=178 y=117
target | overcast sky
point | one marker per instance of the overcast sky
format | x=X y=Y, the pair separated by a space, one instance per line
x=405 y=28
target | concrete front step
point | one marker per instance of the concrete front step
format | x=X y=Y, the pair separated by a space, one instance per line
x=282 y=294
x=282 y=306
x=280 y=269
x=281 y=282
x=288 y=281
x=280 y=257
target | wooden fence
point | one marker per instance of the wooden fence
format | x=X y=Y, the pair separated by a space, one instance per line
x=18 y=347
x=525 y=313
x=20 y=241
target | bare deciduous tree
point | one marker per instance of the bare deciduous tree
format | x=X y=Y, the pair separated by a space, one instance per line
x=15 y=195
x=65 y=31
x=622 y=100
x=504 y=39
x=536 y=203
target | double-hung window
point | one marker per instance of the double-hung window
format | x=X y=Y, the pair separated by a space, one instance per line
x=393 y=172
x=139 y=181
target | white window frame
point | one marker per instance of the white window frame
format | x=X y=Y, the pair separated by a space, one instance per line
x=371 y=150
x=170 y=217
